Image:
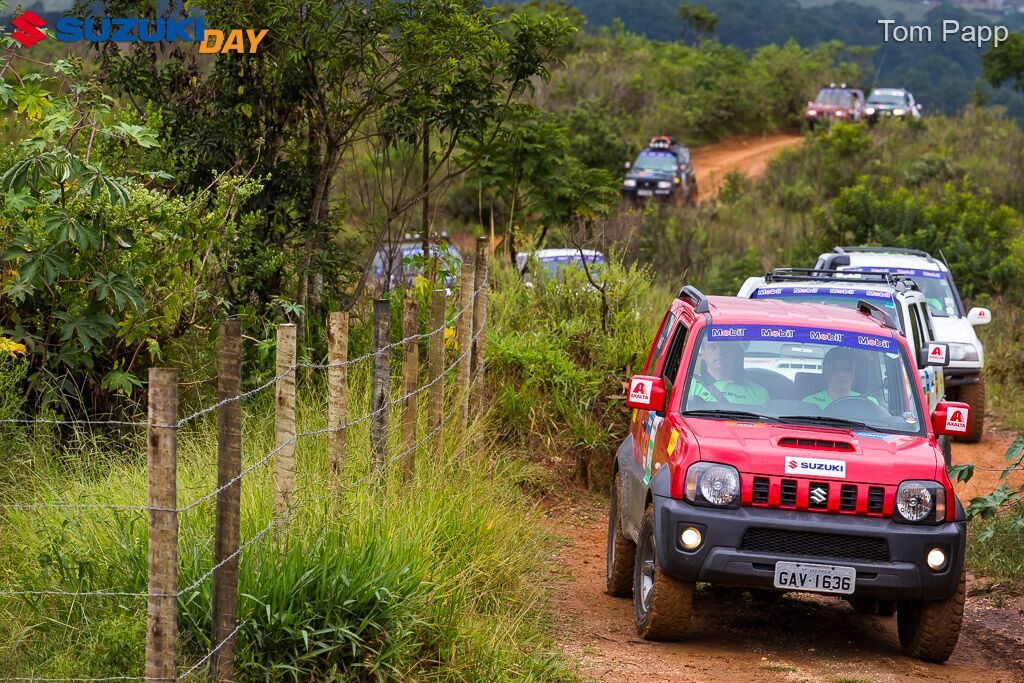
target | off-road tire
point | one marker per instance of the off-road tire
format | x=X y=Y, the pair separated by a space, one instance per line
x=929 y=630
x=974 y=396
x=621 y=552
x=666 y=615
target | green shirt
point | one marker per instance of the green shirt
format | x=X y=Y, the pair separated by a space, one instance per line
x=822 y=399
x=734 y=392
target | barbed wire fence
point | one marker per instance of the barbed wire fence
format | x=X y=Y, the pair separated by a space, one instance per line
x=464 y=375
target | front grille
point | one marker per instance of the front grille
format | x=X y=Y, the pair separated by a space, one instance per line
x=811 y=544
x=848 y=498
x=762 y=486
x=876 y=499
x=787 y=493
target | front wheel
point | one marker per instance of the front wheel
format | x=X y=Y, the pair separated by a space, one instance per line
x=618 y=576
x=929 y=630
x=974 y=396
x=662 y=604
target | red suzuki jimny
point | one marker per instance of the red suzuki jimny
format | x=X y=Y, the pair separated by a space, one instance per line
x=782 y=447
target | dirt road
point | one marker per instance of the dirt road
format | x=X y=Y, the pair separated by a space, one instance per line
x=748 y=154
x=799 y=638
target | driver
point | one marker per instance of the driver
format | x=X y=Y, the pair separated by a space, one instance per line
x=722 y=380
x=838 y=368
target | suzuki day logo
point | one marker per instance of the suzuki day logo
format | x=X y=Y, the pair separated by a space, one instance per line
x=130 y=30
x=956 y=420
x=640 y=391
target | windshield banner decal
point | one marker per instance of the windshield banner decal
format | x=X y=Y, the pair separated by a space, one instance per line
x=804 y=335
x=770 y=292
x=913 y=272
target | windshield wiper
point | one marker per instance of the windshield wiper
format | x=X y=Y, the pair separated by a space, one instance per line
x=728 y=414
x=825 y=420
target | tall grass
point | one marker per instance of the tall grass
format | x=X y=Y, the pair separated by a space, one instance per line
x=437 y=579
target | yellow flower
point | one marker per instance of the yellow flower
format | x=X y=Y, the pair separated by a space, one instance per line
x=450 y=339
x=11 y=348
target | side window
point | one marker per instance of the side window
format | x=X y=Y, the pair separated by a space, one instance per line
x=926 y=323
x=659 y=344
x=674 y=355
x=915 y=327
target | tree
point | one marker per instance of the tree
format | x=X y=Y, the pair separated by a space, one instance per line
x=698 y=21
x=1005 y=62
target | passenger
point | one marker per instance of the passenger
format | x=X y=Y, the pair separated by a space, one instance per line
x=722 y=379
x=838 y=368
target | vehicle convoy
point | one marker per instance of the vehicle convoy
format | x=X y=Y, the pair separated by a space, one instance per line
x=963 y=378
x=731 y=476
x=890 y=103
x=897 y=295
x=400 y=262
x=834 y=104
x=662 y=170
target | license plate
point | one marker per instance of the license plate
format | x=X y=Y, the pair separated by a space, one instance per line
x=644 y=193
x=819 y=578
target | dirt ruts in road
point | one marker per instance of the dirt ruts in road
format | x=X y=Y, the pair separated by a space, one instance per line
x=733 y=638
x=747 y=154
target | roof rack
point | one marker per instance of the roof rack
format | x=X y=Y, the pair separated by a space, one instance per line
x=700 y=302
x=876 y=313
x=863 y=276
x=881 y=250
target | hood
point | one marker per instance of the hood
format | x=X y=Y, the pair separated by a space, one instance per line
x=650 y=175
x=827 y=108
x=875 y=458
x=883 y=107
x=953 y=329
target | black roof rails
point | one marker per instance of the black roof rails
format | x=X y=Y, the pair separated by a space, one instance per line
x=876 y=313
x=700 y=302
x=862 y=276
x=881 y=250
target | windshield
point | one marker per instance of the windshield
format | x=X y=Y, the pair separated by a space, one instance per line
x=936 y=287
x=804 y=375
x=889 y=97
x=838 y=98
x=656 y=162
x=847 y=297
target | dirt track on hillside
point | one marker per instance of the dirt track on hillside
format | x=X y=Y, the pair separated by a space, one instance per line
x=799 y=638
x=747 y=154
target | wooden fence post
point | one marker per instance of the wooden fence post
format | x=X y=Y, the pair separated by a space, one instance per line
x=465 y=338
x=435 y=403
x=162 y=606
x=284 y=420
x=337 y=395
x=380 y=383
x=410 y=375
x=479 y=324
x=229 y=466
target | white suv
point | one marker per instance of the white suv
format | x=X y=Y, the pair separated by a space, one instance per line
x=963 y=378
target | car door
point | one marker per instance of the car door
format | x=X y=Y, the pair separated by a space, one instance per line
x=921 y=333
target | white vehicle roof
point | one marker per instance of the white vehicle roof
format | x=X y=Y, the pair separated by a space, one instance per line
x=553 y=254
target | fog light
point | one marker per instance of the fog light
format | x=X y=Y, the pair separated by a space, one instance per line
x=691 y=538
x=936 y=559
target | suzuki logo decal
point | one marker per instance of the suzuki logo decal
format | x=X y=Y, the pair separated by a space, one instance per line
x=819 y=494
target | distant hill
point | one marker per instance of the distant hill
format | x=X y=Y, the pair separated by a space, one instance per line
x=943 y=76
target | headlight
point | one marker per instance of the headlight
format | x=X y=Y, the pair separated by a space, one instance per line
x=920 y=501
x=812 y=112
x=629 y=182
x=664 y=184
x=840 y=114
x=869 y=111
x=899 y=112
x=959 y=351
x=711 y=483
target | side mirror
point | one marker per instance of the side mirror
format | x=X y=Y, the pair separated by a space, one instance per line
x=646 y=392
x=951 y=418
x=840 y=260
x=935 y=353
x=979 y=316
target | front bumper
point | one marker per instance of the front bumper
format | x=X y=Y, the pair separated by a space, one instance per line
x=958 y=377
x=721 y=558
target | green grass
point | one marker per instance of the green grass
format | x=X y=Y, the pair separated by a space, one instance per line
x=440 y=579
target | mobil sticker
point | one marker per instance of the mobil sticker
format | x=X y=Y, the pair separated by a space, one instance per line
x=956 y=420
x=640 y=391
x=816 y=467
